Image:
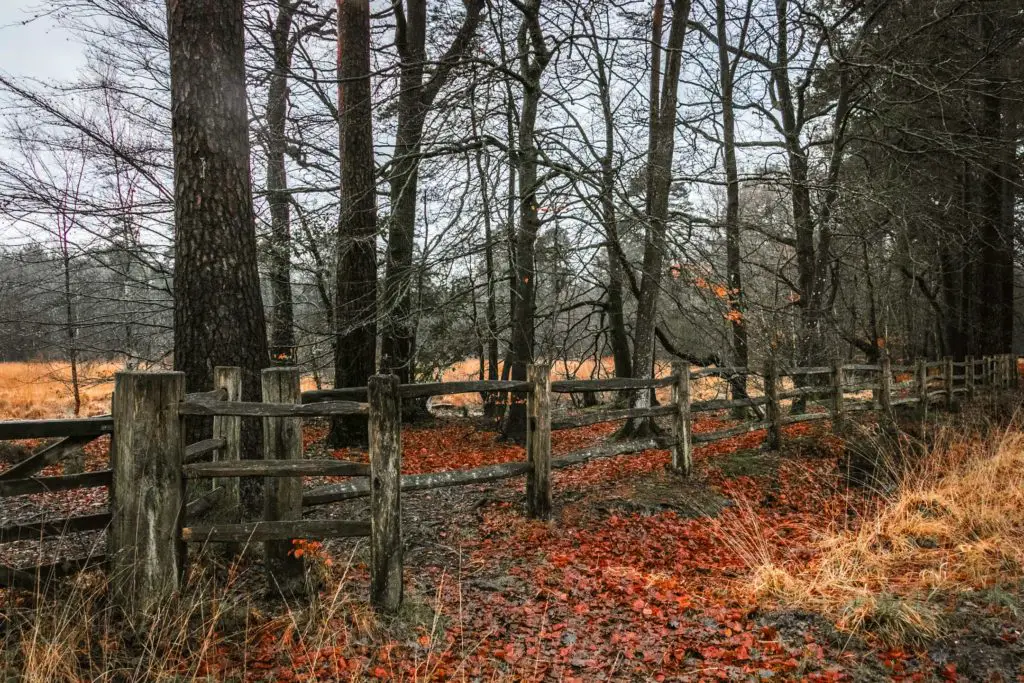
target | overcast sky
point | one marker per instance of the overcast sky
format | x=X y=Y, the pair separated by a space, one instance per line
x=35 y=47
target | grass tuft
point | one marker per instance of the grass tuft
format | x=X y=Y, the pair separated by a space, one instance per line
x=953 y=523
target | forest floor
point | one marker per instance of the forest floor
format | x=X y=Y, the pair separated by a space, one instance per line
x=640 y=575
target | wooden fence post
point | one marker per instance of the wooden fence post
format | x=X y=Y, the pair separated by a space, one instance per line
x=144 y=547
x=282 y=440
x=385 y=430
x=772 y=408
x=949 y=369
x=682 y=448
x=837 y=397
x=538 y=442
x=885 y=387
x=229 y=428
x=970 y=366
x=921 y=376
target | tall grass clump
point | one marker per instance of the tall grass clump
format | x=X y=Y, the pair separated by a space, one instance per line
x=952 y=522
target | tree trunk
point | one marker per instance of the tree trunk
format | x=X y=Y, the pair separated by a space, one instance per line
x=355 y=351
x=491 y=308
x=659 y=170
x=415 y=99
x=614 y=300
x=534 y=57
x=282 y=329
x=218 y=311
x=737 y=321
x=996 y=235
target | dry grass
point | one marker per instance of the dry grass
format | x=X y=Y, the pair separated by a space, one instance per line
x=955 y=523
x=224 y=627
x=78 y=636
x=40 y=390
x=43 y=390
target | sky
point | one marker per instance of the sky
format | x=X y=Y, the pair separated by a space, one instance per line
x=35 y=47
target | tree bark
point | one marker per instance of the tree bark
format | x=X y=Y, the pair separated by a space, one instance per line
x=659 y=170
x=218 y=311
x=355 y=351
x=282 y=331
x=534 y=57
x=737 y=320
x=613 y=298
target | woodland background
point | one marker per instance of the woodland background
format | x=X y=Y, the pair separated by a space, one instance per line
x=507 y=180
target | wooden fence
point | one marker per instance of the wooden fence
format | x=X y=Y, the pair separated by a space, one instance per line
x=149 y=520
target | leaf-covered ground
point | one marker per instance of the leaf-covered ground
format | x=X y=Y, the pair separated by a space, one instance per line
x=637 y=578
x=640 y=576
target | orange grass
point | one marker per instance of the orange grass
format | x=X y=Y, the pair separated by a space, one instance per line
x=40 y=390
x=956 y=523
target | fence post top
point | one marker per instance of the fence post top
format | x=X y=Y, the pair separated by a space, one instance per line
x=383 y=378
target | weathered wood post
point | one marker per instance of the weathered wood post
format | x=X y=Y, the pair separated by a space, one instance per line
x=385 y=431
x=773 y=410
x=949 y=371
x=1012 y=375
x=229 y=428
x=682 y=447
x=970 y=367
x=538 y=442
x=885 y=387
x=144 y=547
x=282 y=440
x=921 y=376
x=837 y=397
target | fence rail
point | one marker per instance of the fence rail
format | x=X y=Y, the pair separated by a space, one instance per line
x=148 y=522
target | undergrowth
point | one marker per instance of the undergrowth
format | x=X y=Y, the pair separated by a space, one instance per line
x=952 y=522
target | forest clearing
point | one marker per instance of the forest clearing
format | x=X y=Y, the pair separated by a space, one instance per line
x=539 y=341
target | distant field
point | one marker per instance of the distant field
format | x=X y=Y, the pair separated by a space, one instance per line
x=43 y=390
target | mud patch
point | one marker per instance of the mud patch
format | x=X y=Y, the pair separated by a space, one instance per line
x=663 y=492
x=749 y=462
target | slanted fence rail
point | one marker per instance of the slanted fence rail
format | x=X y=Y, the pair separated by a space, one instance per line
x=149 y=521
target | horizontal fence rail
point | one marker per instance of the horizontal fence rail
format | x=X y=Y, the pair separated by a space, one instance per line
x=276 y=468
x=420 y=390
x=284 y=530
x=64 y=482
x=572 y=386
x=49 y=429
x=253 y=409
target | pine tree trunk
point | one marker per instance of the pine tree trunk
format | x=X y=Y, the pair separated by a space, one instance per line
x=355 y=322
x=218 y=311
